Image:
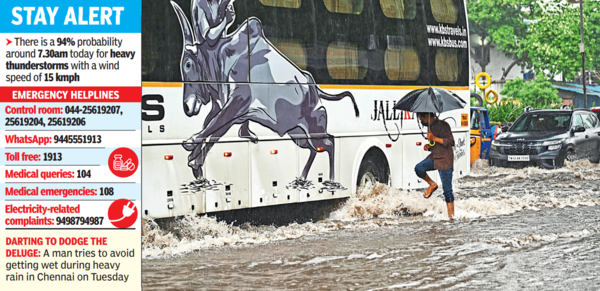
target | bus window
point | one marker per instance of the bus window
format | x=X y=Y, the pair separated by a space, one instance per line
x=402 y=64
x=282 y=3
x=346 y=61
x=402 y=9
x=445 y=11
x=293 y=50
x=447 y=67
x=344 y=6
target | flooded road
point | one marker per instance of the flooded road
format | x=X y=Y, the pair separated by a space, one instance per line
x=515 y=229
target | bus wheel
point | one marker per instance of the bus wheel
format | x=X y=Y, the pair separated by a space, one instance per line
x=373 y=168
x=367 y=180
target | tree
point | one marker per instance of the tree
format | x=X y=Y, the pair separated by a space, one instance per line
x=500 y=23
x=543 y=35
x=538 y=93
x=553 y=41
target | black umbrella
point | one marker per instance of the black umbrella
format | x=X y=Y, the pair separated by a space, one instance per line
x=430 y=99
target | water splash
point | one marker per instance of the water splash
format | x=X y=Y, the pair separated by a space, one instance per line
x=488 y=191
x=194 y=233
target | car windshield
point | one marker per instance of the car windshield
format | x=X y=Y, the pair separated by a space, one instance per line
x=542 y=122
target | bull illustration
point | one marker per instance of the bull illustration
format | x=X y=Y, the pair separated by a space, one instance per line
x=289 y=104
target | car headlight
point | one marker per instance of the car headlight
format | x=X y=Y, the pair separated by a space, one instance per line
x=554 y=147
x=496 y=143
x=552 y=142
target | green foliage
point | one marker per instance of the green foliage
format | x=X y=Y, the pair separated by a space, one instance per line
x=553 y=41
x=538 y=93
x=550 y=43
x=474 y=102
x=500 y=23
x=504 y=112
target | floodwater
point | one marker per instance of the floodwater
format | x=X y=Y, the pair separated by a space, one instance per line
x=527 y=229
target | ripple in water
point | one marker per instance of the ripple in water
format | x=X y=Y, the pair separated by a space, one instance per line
x=532 y=238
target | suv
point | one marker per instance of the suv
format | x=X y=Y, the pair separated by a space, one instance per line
x=545 y=138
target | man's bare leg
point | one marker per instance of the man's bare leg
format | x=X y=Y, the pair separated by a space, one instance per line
x=450 y=209
x=432 y=186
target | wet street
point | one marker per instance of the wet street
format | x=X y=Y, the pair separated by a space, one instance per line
x=527 y=229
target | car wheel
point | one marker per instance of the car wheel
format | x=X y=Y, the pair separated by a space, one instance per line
x=596 y=159
x=571 y=156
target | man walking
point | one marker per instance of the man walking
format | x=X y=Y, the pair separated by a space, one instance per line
x=441 y=157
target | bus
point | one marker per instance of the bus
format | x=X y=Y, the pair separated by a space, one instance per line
x=270 y=111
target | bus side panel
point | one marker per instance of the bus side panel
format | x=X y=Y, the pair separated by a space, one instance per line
x=462 y=162
x=227 y=169
x=163 y=118
x=319 y=173
x=162 y=191
x=353 y=152
x=396 y=160
x=273 y=165
x=413 y=154
x=349 y=147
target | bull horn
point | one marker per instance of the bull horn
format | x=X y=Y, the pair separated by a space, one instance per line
x=188 y=34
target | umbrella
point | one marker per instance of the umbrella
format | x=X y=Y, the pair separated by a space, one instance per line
x=430 y=99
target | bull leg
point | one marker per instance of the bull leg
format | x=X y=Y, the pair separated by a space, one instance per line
x=190 y=144
x=327 y=144
x=245 y=132
x=213 y=112
x=309 y=163
x=193 y=164
x=197 y=162
x=330 y=148
x=302 y=140
x=233 y=112
x=318 y=123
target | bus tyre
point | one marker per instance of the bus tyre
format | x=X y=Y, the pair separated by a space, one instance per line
x=478 y=98
x=368 y=174
x=373 y=168
x=478 y=78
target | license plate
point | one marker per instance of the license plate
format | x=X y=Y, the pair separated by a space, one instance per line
x=518 y=158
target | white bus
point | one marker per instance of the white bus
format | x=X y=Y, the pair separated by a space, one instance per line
x=269 y=111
